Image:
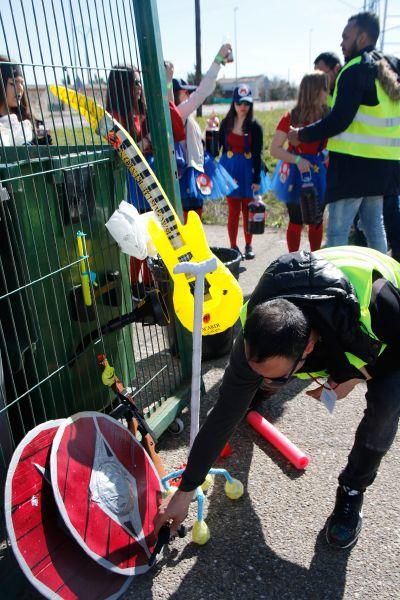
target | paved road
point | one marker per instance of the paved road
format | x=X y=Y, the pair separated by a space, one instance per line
x=222 y=109
x=269 y=545
x=69 y=120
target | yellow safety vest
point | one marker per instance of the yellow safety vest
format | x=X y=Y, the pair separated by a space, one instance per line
x=374 y=131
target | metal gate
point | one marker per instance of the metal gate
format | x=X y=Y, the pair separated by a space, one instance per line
x=59 y=185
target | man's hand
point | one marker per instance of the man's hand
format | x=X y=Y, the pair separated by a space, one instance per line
x=293 y=136
x=341 y=389
x=173 y=509
x=255 y=187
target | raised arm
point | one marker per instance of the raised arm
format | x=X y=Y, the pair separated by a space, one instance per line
x=207 y=84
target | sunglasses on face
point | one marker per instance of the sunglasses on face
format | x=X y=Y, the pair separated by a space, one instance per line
x=282 y=380
x=137 y=83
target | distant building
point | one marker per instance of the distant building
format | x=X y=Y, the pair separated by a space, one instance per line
x=258 y=84
x=43 y=102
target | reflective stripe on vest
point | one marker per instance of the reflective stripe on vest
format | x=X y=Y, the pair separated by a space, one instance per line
x=374 y=131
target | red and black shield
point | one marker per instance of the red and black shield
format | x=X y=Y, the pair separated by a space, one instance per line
x=50 y=558
x=107 y=491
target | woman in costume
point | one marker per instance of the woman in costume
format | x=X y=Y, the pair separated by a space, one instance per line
x=241 y=139
x=203 y=178
x=303 y=167
x=126 y=102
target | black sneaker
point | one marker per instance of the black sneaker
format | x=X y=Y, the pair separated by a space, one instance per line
x=248 y=252
x=344 y=524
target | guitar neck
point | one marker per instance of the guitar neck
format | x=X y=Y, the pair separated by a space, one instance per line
x=144 y=176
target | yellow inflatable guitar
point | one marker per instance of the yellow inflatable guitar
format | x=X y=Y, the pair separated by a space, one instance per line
x=174 y=242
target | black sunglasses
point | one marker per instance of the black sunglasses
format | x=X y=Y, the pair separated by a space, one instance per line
x=283 y=380
x=138 y=83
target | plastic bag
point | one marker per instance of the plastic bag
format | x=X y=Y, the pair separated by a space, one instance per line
x=129 y=230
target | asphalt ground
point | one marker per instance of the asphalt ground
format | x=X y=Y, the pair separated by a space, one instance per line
x=270 y=544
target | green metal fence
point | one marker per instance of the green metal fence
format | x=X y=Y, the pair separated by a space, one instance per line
x=53 y=189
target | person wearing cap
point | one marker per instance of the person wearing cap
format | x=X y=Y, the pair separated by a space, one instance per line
x=17 y=125
x=203 y=178
x=363 y=131
x=241 y=139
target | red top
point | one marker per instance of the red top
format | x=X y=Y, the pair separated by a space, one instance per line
x=178 y=128
x=303 y=148
x=236 y=143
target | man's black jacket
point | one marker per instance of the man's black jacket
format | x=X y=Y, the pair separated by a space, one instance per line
x=353 y=176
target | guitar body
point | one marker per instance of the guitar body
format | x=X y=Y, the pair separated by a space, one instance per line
x=173 y=241
x=222 y=292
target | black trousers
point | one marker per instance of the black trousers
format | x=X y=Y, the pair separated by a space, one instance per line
x=375 y=433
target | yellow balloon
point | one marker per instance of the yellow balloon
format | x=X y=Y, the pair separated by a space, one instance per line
x=207 y=483
x=200 y=533
x=234 y=490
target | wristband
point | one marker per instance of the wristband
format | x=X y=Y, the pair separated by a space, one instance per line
x=298 y=159
x=219 y=59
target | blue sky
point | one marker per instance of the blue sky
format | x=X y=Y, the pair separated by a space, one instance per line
x=274 y=37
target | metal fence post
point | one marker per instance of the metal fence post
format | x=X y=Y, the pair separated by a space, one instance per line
x=149 y=42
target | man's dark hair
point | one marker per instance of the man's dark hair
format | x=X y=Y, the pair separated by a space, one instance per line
x=329 y=58
x=276 y=328
x=369 y=23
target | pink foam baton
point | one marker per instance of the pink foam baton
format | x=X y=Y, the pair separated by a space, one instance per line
x=277 y=439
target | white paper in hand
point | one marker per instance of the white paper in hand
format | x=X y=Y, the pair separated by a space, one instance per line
x=328 y=398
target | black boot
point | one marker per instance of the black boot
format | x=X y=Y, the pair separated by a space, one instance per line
x=345 y=522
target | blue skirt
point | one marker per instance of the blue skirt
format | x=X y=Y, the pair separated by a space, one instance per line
x=287 y=180
x=241 y=169
x=215 y=183
x=135 y=195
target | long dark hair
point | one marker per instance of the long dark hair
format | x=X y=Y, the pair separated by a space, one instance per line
x=9 y=71
x=230 y=118
x=122 y=100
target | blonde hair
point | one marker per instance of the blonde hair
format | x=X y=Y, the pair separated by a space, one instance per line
x=308 y=107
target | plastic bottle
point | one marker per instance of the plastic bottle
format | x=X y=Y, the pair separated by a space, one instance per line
x=212 y=135
x=256 y=215
x=309 y=202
